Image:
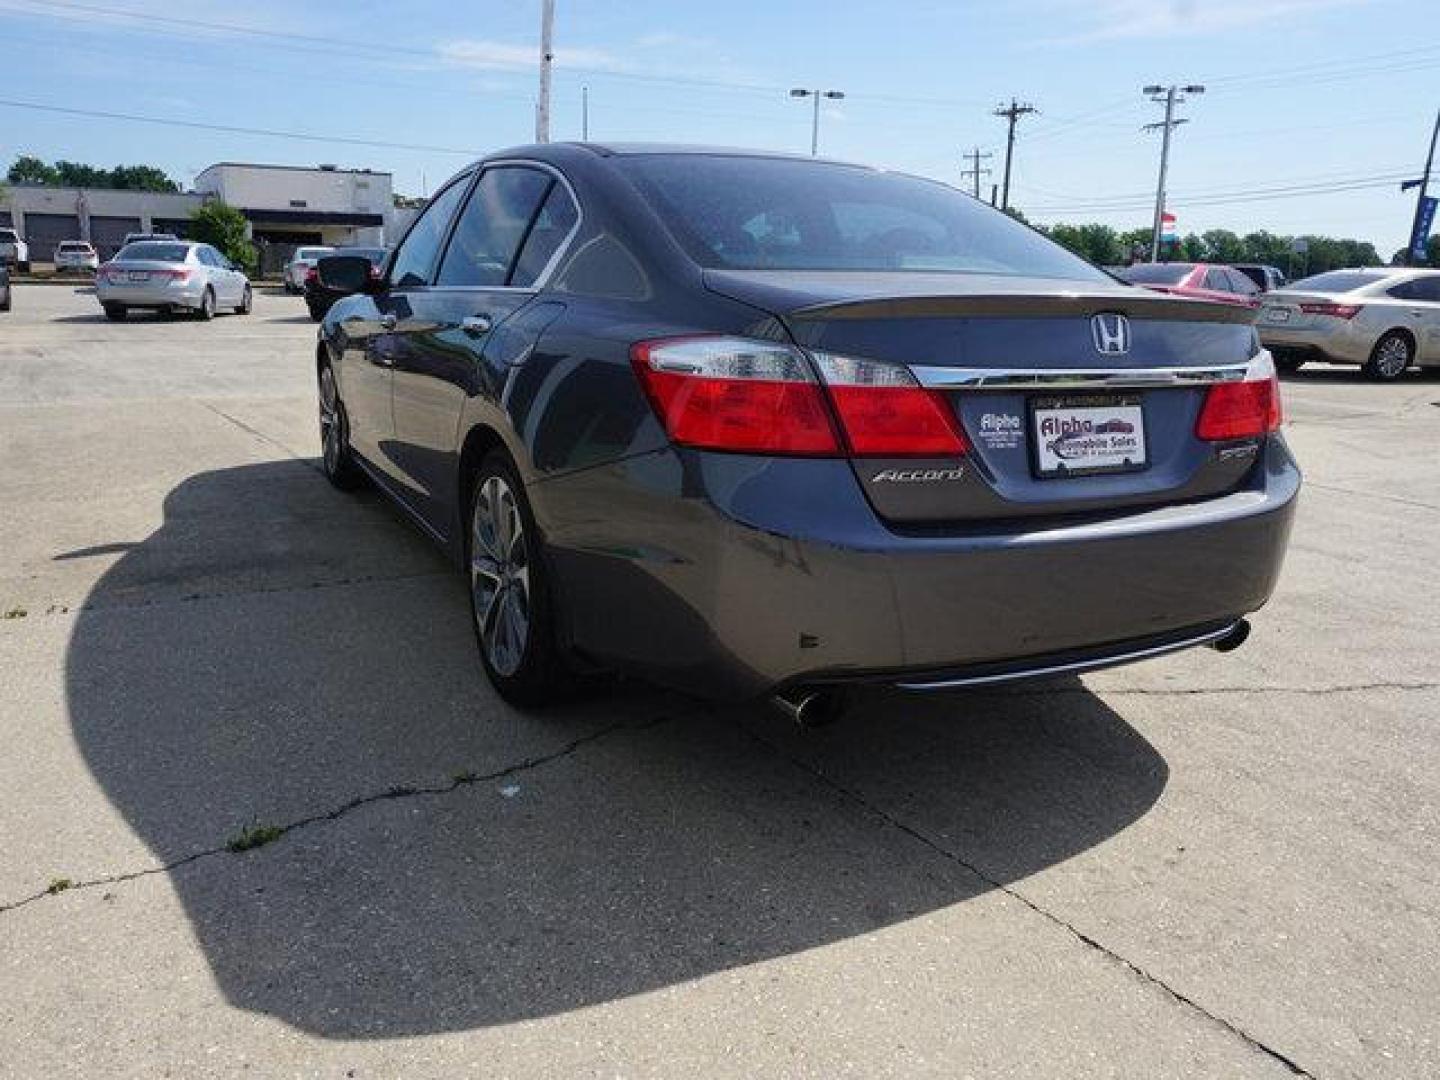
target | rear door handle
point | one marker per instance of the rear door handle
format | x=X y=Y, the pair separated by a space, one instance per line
x=387 y=321
x=476 y=325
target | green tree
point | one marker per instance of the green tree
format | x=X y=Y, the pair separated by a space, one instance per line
x=1098 y=243
x=75 y=174
x=31 y=170
x=223 y=227
x=141 y=178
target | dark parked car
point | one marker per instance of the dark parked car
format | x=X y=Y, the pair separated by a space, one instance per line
x=1266 y=278
x=4 y=289
x=318 y=298
x=756 y=425
x=1203 y=281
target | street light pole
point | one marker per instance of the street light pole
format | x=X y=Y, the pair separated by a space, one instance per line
x=1172 y=97
x=834 y=95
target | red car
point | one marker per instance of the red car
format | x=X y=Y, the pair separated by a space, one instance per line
x=1204 y=281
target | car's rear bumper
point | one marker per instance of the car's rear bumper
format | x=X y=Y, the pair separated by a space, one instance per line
x=734 y=577
x=187 y=295
x=1342 y=345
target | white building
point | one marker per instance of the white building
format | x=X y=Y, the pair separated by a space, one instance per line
x=285 y=205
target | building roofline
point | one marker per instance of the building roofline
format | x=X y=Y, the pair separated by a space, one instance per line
x=292 y=168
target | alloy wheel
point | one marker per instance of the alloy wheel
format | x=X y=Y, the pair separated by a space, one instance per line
x=500 y=575
x=1392 y=357
x=332 y=420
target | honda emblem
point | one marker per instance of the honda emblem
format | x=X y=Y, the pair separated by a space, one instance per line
x=1111 y=333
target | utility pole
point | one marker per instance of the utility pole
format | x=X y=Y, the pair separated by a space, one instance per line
x=1411 y=248
x=834 y=95
x=1012 y=112
x=975 y=171
x=542 y=107
x=1172 y=95
x=585 y=114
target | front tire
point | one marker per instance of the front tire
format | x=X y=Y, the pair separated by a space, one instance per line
x=1392 y=354
x=337 y=459
x=247 y=302
x=510 y=589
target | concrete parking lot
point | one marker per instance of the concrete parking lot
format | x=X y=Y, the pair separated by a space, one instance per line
x=1199 y=866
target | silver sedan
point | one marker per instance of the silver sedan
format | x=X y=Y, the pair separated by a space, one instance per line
x=171 y=276
x=1384 y=319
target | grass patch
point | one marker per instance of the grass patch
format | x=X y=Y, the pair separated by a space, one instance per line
x=59 y=885
x=253 y=836
x=15 y=613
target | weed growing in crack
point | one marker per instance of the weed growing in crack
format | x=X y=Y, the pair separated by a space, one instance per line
x=59 y=885
x=253 y=836
x=15 y=613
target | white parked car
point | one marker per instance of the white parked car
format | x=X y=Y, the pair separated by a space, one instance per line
x=300 y=264
x=76 y=255
x=1384 y=319
x=14 y=251
x=171 y=276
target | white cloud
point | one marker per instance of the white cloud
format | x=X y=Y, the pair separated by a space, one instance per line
x=1098 y=20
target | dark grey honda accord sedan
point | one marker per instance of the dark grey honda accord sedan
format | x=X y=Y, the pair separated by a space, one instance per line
x=747 y=424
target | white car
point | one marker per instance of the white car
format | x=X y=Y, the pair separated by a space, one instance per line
x=1385 y=319
x=14 y=252
x=171 y=276
x=76 y=255
x=300 y=264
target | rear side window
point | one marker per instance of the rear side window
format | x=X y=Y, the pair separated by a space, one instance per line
x=752 y=213
x=552 y=226
x=492 y=226
x=415 y=261
x=1239 y=283
x=1423 y=288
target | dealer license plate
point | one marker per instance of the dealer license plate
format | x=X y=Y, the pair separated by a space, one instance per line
x=1088 y=436
x=138 y=275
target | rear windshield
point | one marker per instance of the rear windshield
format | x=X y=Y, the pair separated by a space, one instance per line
x=747 y=213
x=73 y=245
x=375 y=255
x=312 y=253
x=1339 y=280
x=8 y=234
x=154 y=251
x=1156 y=273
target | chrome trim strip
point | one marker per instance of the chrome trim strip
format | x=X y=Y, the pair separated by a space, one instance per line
x=1092 y=664
x=957 y=378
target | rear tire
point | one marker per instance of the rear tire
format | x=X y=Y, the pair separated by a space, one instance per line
x=510 y=594
x=115 y=312
x=337 y=459
x=1288 y=363
x=316 y=313
x=206 y=311
x=1393 y=353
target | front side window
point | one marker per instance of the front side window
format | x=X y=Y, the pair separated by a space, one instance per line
x=415 y=261
x=756 y=213
x=492 y=226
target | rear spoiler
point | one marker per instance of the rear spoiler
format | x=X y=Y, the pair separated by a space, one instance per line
x=1141 y=305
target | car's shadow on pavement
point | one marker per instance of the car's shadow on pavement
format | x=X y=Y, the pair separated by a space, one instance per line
x=277 y=651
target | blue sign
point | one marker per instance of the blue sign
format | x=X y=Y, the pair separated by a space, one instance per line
x=1424 y=222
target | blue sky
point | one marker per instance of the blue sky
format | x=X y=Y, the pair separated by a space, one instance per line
x=1302 y=94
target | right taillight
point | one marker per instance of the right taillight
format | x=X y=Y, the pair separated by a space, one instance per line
x=1338 y=311
x=1245 y=409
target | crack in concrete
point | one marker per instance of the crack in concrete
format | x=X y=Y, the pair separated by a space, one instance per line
x=1229 y=1026
x=404 y=791
x=308 y=462
x=1371 y=495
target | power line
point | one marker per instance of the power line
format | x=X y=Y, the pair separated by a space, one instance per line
x=232 y=129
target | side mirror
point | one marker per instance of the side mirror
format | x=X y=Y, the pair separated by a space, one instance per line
x=345 y=273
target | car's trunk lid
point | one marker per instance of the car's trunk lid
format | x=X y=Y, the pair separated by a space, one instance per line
x=1061 y=419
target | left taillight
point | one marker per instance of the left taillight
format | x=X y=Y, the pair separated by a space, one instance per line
x=726 y=393
x=1245 y=409
x=742 y=395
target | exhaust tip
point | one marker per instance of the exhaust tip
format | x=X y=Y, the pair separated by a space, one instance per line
x=1233 y=638
x=810 y=708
